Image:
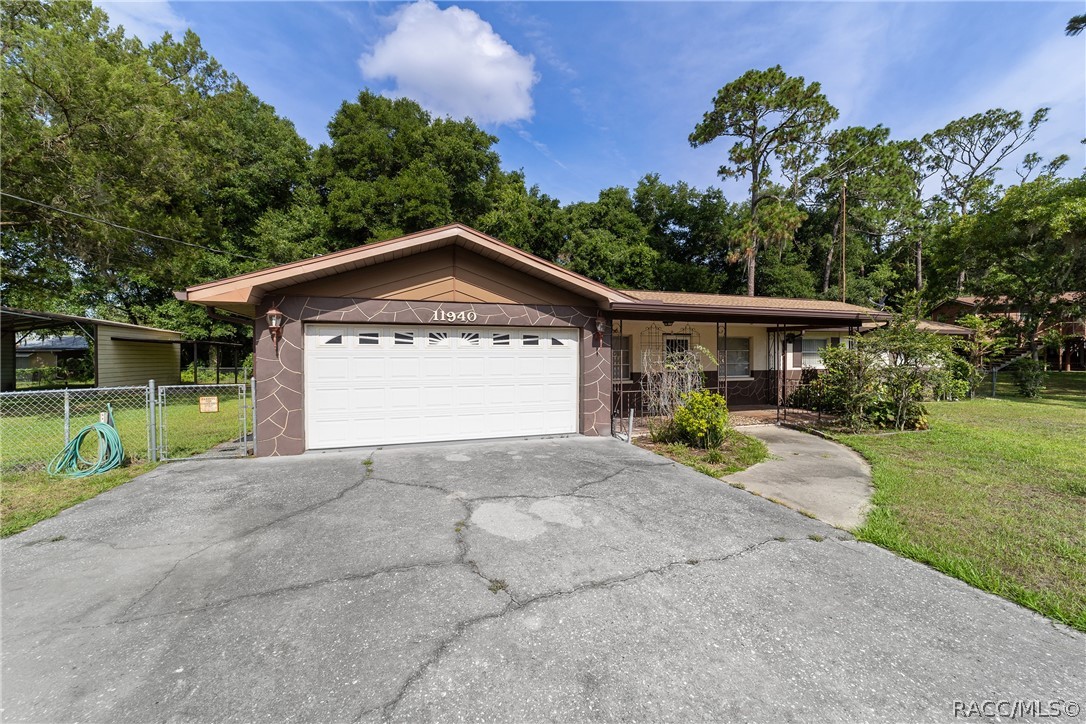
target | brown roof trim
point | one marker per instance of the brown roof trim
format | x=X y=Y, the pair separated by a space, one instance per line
x=745 y=312
x=250 y=287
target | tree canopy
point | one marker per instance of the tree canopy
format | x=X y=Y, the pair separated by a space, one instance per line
x=131 y=169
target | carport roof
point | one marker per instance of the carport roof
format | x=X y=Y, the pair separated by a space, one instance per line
x=21 y=320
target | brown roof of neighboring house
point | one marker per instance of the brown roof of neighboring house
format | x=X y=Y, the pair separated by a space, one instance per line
x=952 y=330
x=973 y=301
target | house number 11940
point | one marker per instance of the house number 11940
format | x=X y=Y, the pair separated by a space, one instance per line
x=440 y=315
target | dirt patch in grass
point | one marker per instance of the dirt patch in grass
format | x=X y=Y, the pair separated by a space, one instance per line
x=738 y=452
x=994 y=494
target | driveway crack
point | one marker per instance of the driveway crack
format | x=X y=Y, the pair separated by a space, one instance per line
x=462 y=627
x=255 y=529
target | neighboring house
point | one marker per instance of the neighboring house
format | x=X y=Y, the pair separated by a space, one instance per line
x=124 y=354
x=450 y=334
x=49 y=351
x=1072 y=355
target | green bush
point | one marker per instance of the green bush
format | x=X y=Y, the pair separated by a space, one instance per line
x=1029 y=376
x=883 y=412
x=702 y=419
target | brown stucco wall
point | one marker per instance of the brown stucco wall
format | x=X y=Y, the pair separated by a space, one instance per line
x=280 y=382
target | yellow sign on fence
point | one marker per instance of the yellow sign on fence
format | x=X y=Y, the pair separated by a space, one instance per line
x=209 y=404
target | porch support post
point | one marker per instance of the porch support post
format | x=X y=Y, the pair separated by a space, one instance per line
x=717 y=343
x=725 y=359
x=780 y=370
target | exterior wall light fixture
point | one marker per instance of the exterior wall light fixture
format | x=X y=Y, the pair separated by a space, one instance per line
x=601 y=327
x=275 y=326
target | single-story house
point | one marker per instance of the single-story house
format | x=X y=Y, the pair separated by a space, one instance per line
x=1072 y=326
x=124 y=354
x=49 y=350
x=450 y=334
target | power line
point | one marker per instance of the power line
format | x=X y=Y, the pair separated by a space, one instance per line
x=137 y=231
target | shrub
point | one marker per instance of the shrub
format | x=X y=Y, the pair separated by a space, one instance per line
x=1029 y=376
x=702 y=419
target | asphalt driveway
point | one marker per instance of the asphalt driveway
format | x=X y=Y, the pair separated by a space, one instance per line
x=571 y=580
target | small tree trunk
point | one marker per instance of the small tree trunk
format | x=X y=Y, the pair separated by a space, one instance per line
x=829 y=260
x=751 y=268
x=919 y=264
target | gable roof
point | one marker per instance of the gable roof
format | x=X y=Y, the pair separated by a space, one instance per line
x=242 y=293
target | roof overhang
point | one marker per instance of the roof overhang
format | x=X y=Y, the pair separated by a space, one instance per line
x=808 y=318
x=23 y=320
x=242 y=294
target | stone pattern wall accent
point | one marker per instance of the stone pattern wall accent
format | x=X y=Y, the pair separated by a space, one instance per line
x=280 y=383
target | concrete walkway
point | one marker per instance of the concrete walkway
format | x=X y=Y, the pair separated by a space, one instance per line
x=810 y=474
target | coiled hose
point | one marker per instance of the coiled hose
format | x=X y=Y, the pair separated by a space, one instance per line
x=110 y=452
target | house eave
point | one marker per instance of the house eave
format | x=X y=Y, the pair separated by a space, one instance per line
x=752 y=314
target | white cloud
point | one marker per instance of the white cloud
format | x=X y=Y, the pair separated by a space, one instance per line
x=453 y=63
x=144 y=20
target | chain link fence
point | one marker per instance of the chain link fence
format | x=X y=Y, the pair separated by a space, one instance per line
x=193 y=419
x=36 y=425
x=164 y=423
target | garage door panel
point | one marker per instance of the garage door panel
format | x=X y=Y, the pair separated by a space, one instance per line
x=369 y=385
x=367 y=368
x=470 y=368
x=502 y=366
x=529 y=367
x=404 y=366
x=365 y=398
x=332 y=368
x=333 y=399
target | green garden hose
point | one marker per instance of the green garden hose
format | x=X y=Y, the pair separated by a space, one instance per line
x=110 y=452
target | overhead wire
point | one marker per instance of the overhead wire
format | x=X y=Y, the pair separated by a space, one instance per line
x=131 y=229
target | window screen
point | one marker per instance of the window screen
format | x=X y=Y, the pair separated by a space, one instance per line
x=620 y=351
x=734 y=355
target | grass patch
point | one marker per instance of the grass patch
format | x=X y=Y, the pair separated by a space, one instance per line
x=737 y=452
x=32 y=496
x=32 y=430
x=32 y=433
x=994 y=494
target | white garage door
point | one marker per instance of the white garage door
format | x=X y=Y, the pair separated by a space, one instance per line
x=371 y=385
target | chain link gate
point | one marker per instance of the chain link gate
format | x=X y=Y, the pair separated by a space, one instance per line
x=192 y=419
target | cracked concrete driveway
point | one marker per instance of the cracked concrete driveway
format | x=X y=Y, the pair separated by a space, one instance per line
x=569 y=579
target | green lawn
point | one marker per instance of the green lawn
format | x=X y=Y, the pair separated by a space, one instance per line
x=994 y=494
x=30 y=436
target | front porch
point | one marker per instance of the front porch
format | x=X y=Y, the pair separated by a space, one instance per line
x=756 y=367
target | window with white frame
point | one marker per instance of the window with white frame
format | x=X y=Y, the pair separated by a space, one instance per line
x=811 y=350
x=620 y=356
x=734 y=356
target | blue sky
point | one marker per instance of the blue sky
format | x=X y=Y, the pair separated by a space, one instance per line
x=589 y=95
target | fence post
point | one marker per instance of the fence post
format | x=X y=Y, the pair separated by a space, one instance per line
x=152 y=442
x=994 y=373
x=67 y=417
x=252 y=402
